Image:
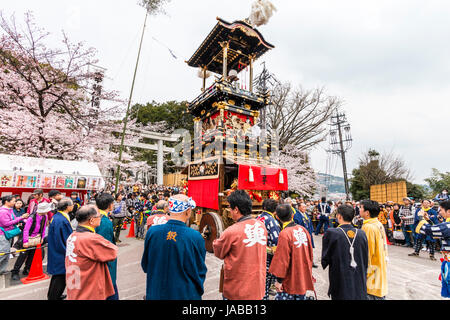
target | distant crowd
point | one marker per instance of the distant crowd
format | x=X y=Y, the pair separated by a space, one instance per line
x=398 y=219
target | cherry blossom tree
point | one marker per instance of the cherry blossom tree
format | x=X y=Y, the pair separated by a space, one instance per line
x=302 y=178
x=47 y=105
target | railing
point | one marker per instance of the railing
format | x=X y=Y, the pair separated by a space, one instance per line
x=212 y=89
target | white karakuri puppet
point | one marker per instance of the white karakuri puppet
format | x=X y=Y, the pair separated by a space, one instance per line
x=262 y=11
x=201 y=73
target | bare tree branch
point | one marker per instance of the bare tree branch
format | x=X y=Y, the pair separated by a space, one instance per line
x=299 y=116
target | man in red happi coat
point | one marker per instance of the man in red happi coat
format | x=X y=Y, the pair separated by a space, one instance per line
x=293 y=259
x=160 y=215
x=87 y=274
x=243 y=249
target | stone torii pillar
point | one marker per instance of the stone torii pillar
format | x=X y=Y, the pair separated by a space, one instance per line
x=158 y=147
x=160 y=163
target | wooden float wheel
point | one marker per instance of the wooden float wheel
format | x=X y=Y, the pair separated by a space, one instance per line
x=211 y=228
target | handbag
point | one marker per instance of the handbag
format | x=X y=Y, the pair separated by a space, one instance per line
x=34 y=241
x=398 y=235
x=9 y=234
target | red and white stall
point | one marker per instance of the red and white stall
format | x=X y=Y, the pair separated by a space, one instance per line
x=22 y=175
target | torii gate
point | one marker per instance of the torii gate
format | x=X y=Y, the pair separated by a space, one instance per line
x=159 y=147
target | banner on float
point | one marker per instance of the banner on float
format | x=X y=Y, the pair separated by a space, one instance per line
x=263 y=178
x=204 y=170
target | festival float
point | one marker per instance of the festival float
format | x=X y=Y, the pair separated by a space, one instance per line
x=229 y=152
x=22 y=175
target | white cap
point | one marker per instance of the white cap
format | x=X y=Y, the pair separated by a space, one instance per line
x=44 y=207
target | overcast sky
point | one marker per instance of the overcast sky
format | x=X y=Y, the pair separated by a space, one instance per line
x=388 y=60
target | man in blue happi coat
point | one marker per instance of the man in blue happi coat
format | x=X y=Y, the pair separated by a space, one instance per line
x=301 y=217
x=59 y=230
x=105 y=204
x=174 y=256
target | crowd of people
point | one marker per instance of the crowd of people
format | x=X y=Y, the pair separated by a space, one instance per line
x=49 y=221
x=266 y=255
x=399 y=220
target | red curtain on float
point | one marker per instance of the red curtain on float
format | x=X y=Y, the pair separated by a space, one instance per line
x=205 y=193
x=264 y=178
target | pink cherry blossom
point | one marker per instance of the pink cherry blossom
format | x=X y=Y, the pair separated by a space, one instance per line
x=302 y=178
x=46 y=101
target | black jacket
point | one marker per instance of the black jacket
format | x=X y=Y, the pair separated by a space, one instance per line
x=346 y=283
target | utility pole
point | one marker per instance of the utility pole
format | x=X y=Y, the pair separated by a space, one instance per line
x=341 y=142
x=262 y=81
x=129 y=104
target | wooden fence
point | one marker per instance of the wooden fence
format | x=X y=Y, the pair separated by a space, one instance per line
x=389 y=192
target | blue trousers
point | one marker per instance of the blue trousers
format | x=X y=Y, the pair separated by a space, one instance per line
x=323 y=221
x=409 y=236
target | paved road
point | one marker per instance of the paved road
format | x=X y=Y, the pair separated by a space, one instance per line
x=410 y=278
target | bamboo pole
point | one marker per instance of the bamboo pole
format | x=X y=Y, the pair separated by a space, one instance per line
x=251 y=74
x=129 y=104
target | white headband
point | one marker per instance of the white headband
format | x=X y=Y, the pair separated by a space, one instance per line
x=178 y=206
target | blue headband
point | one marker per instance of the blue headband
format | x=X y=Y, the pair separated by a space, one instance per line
x=178 y=206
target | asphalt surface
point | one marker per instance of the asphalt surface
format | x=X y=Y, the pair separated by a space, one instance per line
x=409 y=278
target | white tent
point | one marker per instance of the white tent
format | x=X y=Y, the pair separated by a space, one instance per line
x=51 y=166
x=19 y=165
